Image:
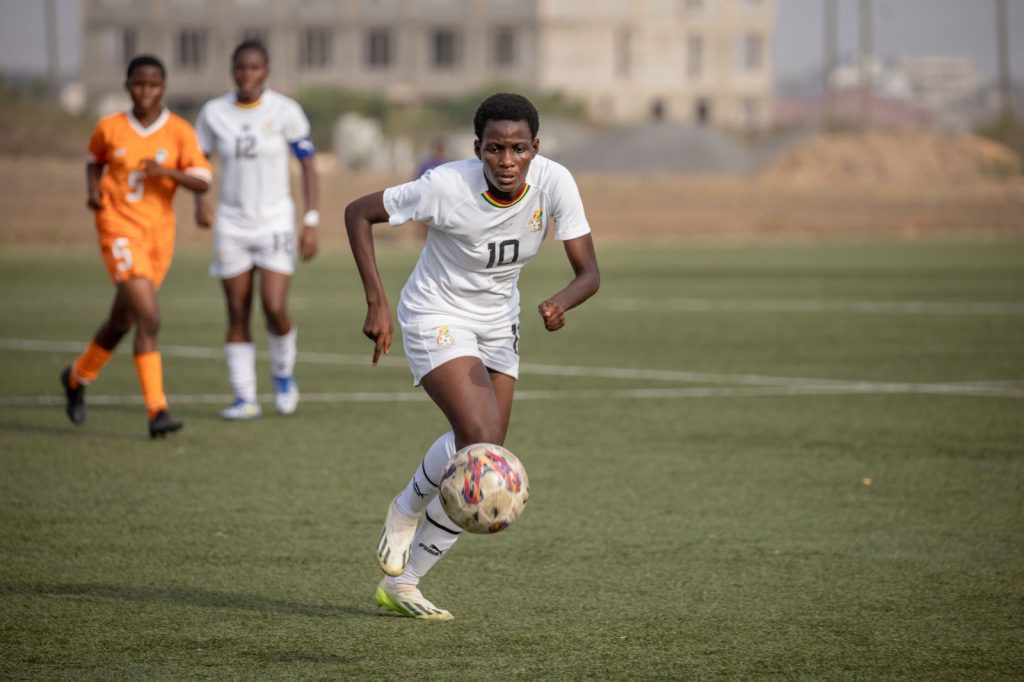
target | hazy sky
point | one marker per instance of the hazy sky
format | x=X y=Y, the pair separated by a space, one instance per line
x=934 y=27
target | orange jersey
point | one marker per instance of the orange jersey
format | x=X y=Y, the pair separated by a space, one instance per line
x=134 y=203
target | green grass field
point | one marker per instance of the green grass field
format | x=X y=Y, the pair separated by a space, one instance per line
x=789 y=461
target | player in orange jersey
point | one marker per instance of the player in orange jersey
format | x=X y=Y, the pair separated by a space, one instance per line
x=137 y=159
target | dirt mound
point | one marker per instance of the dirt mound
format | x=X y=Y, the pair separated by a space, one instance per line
x=905 y=158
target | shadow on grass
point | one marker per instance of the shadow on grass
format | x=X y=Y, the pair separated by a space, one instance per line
x=180 y=596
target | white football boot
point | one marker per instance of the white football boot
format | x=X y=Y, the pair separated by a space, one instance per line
x=408 y=601
x=395 y=540
x=241 y=410
x=286 y=395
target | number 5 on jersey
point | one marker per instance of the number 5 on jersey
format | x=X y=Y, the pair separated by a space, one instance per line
x=122 y=251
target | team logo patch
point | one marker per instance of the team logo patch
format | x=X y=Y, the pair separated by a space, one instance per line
x=268 y=125
x=535 y=222
x=444 y=337
x=120 y=151
x=161 y=155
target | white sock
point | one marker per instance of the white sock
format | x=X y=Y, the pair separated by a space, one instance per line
x=422 y=487
x=241 y=359
x=282 y=353
x=435 y=536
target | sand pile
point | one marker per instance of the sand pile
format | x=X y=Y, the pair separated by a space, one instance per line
x=893 y=158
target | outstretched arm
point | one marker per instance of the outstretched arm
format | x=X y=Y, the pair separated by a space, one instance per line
x=360 y=217
x=585 y=284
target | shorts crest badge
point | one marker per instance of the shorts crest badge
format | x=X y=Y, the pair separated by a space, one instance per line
x=535 y=222
x=444 y=337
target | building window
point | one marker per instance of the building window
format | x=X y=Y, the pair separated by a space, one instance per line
x=192 y=48
x=259 y=35
x=315 y=48
x=129 y=44
x=752 y=52
x=504 y=46
x=378 y=48
x=447 y=48
x=695 y=57
x=623 y=52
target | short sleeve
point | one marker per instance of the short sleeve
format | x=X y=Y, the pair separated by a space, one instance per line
x=191 y=158
x=98 y=145
x=567 y=206
x=419 y=200
x=296 y=125
x=204 y=133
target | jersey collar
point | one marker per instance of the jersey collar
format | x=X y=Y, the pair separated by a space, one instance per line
x=498 y=203
x=146 y=131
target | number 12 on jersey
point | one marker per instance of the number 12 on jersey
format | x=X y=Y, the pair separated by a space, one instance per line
x=499 y=254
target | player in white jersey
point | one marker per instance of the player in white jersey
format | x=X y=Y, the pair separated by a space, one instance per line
x=459 y=310
x=253 y=130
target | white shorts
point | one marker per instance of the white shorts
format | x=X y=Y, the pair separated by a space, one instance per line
x=432 y=340
x=270 y=246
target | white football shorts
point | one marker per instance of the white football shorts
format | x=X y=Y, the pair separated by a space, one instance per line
x=432 y=340
x=240 y=248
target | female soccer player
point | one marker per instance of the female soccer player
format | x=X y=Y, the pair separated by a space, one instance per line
x=252 y=130
x=146 y=153
x=459 y=310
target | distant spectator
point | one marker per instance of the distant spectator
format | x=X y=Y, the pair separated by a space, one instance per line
x=438 y=156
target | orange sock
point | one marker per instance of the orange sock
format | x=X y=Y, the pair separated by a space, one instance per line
x=151 y=376
x=87 y=366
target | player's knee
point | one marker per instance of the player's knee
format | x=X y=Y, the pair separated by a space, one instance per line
x=277 y=319
x=148 y=323
x=481 y=430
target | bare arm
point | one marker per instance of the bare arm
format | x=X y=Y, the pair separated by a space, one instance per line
x=360 y=217
x=93 y=173
x=585 y=284
x=308 y=242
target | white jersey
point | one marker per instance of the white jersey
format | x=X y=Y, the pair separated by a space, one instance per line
x=477 y=245
x=253 y=143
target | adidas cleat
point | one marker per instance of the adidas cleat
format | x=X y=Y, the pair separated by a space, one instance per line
x=408 y=601
x=162 y=424
x=395 y=540
x=286 y=395
x=75 y=407
x=240 y=410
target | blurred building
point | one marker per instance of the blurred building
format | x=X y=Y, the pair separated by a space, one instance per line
x=705 y=61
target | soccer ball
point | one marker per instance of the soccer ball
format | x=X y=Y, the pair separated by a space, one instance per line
x=484 y=488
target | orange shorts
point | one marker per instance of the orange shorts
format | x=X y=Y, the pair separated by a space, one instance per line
x=131 y=253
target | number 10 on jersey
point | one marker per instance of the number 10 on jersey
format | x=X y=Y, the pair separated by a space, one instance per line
x=502 y=253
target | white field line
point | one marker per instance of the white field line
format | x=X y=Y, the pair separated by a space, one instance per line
x=583 y=394
x=812 y=306
x=740 y=384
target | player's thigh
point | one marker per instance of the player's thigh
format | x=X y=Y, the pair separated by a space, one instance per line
x=274 y=290
x=463 y=389
x=139 y=293
x=238 y=292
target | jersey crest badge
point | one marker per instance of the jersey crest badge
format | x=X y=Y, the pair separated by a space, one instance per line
x=120 y=152
x=535 y=222
x=444 y=337
x=161 y=155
